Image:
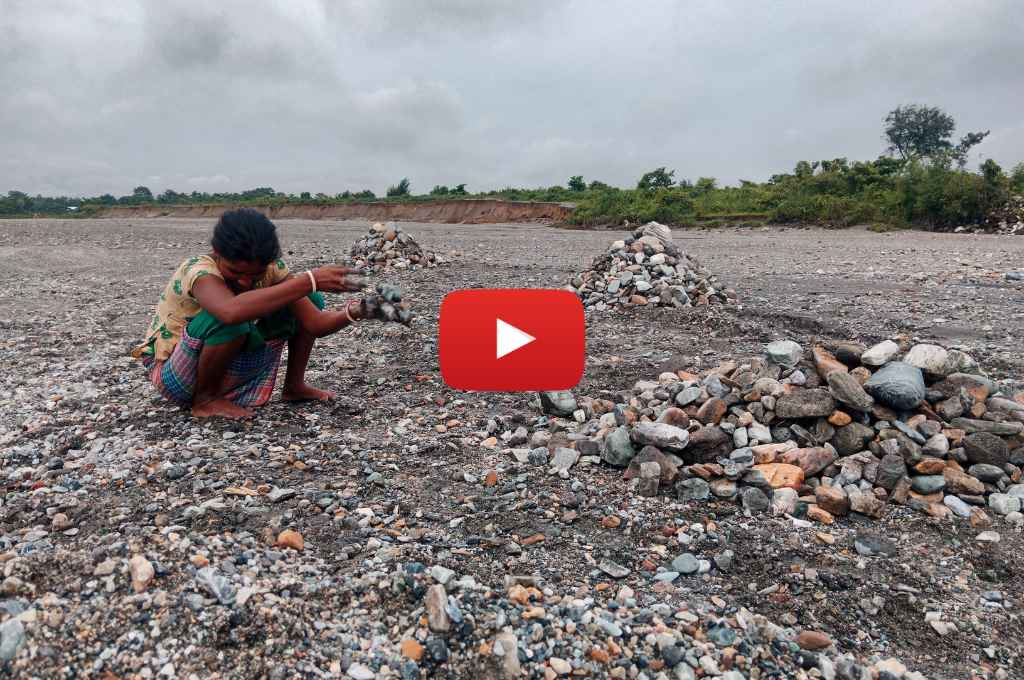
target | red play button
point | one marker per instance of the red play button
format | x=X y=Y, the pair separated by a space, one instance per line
x=511 y=340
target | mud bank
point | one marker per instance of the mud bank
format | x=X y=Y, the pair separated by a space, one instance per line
x=470 y=211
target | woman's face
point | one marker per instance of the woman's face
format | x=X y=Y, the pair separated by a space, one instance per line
x=240 y=275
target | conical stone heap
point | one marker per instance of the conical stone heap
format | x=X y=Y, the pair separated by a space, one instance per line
x=386 y=246
x=853 y=430
x=647 y=268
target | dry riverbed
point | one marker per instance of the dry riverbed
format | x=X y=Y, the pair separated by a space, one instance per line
x=136 y=542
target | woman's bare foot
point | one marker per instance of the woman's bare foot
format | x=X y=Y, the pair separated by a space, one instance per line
x=305 y=392
x=220 y=407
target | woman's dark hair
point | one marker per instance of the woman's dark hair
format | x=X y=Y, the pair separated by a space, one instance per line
x=246 y=235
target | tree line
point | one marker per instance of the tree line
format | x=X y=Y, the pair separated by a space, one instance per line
x=921 y=179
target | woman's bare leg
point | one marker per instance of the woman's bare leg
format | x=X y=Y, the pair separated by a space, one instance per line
x=208 y=399
x=295 y=387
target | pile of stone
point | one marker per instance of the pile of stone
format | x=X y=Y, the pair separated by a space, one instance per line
x=647 y=268
x=387 y=246
x=1007 y=220
x=1010 y=219
x=853 y=429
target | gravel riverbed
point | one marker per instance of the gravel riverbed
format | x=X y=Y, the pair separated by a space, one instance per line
x=393 y=533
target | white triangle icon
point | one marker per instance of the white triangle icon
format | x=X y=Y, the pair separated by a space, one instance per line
x=510 y=338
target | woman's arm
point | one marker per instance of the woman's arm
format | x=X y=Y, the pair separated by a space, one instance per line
x=319 y=323
x=215 y=297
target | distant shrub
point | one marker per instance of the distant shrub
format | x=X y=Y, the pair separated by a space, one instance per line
x=400 y=189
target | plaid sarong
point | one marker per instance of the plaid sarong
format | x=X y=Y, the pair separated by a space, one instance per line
x=253 y=372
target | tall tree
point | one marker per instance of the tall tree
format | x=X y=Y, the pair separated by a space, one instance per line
x=915 y=131
x=656 y=178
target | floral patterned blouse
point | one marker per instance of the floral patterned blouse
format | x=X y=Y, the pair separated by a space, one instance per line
x=177 y=306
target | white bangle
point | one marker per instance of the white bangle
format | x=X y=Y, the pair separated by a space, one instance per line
x=312 y=279
x=348 y=314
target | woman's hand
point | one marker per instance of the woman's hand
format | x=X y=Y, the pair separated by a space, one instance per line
x=337 y=279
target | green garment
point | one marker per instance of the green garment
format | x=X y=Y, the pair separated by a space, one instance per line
x=279 y=324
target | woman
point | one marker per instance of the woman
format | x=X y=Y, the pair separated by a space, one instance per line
x=224 y=318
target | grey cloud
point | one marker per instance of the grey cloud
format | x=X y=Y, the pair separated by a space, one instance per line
x=326 y=96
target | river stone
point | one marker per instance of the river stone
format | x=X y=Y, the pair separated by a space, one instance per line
x=974 y=384
x=971 y=425
x=812 y=403
x=661 y=435
x=961 y=483
x=686 y=564
x=986 y=473
x=959 y=362
x=754 y=500
x=1003 y=504
x=785 y=353
x=909 y=432
x=846 y=389
x=926 y=484
x=852 y=438
x=897 y=385
x=880 y=354
x=668 y=471
x=982 y=447
x=784 y=501
x=959 y=508
x=687 y=396
x=12 y=636
x=558 y=403
x=707 y=444
x=695 y=489
x=617 y=449
x=811 y=460
x=936 y=445
x=931 y=359
x=890 y=471
x=849 y=353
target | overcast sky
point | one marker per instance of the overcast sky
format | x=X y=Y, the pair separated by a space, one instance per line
x=218 y=95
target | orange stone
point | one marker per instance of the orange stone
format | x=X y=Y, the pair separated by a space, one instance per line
x=712 y=411
x=411 y=649
x=536 y=538
x=599 y=655
x=939 y=510
x=929 y=497
x=611 y=521
x=980 y=519
x=767 y=453
x=290 y=539
x=930 y=466
x=781 y=475
x=819 y=514
x=200 y=561
x=813 y=639
x=839 y=419
x=491 y=478
x=826 y=363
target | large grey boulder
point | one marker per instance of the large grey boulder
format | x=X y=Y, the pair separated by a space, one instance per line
x=558 y=403
x=785 y=353
x=617 y=449
x=897 y=385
